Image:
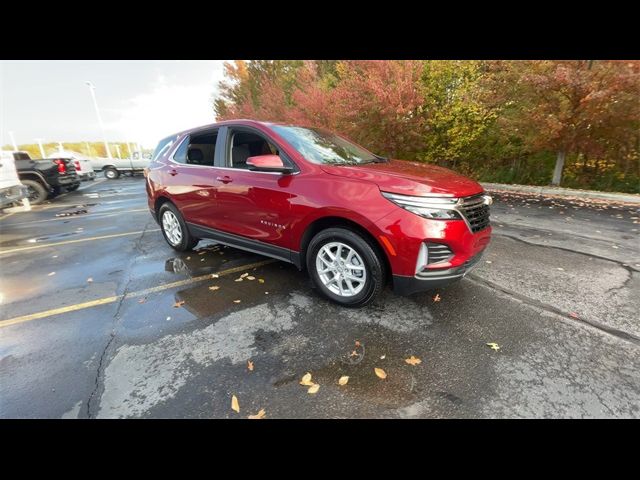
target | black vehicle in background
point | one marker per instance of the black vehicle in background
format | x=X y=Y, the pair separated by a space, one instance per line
x=47 y=177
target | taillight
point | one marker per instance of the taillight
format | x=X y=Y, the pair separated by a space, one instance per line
x=77 y=164
x=62 y=168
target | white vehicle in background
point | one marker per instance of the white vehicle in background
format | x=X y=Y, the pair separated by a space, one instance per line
x=11 y=190
x=114 y=167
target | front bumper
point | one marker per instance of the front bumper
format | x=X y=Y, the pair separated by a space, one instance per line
x=405 y=285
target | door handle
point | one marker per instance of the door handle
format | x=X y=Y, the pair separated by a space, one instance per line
x=225 y=179
x=173 y=172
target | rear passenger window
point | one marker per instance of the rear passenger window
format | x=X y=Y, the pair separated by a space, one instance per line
x=201 y=149
x=181 y=153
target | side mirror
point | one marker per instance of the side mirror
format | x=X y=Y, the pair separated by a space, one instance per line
x=268 y=163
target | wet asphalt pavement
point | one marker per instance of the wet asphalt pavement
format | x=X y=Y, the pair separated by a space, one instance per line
x=89 y=328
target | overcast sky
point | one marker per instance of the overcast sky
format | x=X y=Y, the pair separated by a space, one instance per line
x=140 y=101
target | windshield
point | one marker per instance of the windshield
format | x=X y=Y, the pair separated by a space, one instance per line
x=321 y=146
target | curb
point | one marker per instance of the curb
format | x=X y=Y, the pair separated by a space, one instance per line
x=564 y=192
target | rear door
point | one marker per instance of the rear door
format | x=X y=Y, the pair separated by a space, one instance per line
x=253 y=205
x=190 y=176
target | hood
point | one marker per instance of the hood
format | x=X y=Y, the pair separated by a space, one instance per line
x=409 y=178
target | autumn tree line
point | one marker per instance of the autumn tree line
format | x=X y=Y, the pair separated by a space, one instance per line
x=571 y=123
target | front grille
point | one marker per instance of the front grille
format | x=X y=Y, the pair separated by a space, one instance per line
x=476 y=211
x=438 y=253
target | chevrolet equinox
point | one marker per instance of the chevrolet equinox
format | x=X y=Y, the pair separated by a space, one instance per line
x=307 y=196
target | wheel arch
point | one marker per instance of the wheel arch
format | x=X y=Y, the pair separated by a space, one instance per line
x=331 y=221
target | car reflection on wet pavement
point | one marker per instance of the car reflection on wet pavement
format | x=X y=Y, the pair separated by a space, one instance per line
x=127 y=327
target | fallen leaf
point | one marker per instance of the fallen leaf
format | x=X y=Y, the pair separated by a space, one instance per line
x=261 y=414
x=236 y=301
x=168 y=318
x=574 y=315
x=202 y=260
x=354 y=354
x=561 y=269
x=306 y=380
x=357 y=343
x=215 y=287
x=250 y=365
x=215 y=275
x=142 y=300
x=383 y=357
x=343 y=380
x=51 y=274
x=314 y=388
x=266 y=293
x=244 y=275
x=55 y=256
x=437 y=298
x=261 y=280
x=178 y=304
x=380 y=373
x=238 y=279
x=413 y=360
x=235 y=406
x=488 y=261
x=493 y=346
x=90 y=279
x=251 y=277
x=202 y=252
x=188 y=258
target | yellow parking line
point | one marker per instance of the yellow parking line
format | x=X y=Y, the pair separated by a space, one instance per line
x=140 y=293
x=67 y=242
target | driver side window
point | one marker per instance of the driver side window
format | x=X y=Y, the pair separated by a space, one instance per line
x=248 y=144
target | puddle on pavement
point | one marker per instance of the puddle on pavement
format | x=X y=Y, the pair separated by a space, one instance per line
x=56 y=236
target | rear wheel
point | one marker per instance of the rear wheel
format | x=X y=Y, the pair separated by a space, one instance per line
x=37 y=193
x=174 y=229
x=345 y=267
x=111 y=173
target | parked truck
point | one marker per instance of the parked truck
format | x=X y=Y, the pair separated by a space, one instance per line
x=114 y=167
x=11 y=190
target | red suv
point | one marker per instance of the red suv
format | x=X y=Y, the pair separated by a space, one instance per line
x=315 y=199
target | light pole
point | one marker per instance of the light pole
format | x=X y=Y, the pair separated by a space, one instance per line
x=39 y=140
x=92 y=89
x=13 y=140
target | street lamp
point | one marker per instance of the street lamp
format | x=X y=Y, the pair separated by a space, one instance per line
x=39 y=140
x=92 y=89
x=13 y=140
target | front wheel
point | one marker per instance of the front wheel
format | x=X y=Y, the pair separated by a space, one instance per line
x=345 y=267
x=174 y=229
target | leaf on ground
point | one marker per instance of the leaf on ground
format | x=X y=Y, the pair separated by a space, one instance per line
x=244 y=275
x=413 y=360
x=343 y=380
x=488 y=261
x=142 y=300
x=178 y=304
x=493 y=346
x=250 y=365
x=261 y=414
x=188 y=258
x=51 y=274
x=314 y=388
x=251 y=277
x=202 y=252
x=574 y=315
x=437 y=298
x=380 y=373
x=357 y=343
x=90 y=279
x=236 y=301
x=235 y=406
x=214 y=287
x=383 y=357
x=353 y=354
x=561 y=269
x=306 y=380
x=215 y=275
x=266 y=293
x=168 y=318
x=261 y=280
x=238 y=279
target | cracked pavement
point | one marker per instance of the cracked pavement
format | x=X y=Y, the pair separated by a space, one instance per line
x=557 y=289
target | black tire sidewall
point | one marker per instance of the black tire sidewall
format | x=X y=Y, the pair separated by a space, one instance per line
x=188 y=242
x=43 y=194
x=373 y=264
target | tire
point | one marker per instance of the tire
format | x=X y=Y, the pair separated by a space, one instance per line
x=350 y=287
x=111 y=173
x=37 y=192
x=174 y=229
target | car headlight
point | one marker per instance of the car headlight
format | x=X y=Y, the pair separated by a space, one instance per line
x=436 y=208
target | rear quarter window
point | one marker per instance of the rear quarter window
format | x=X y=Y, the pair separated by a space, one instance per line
x=163 y=147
